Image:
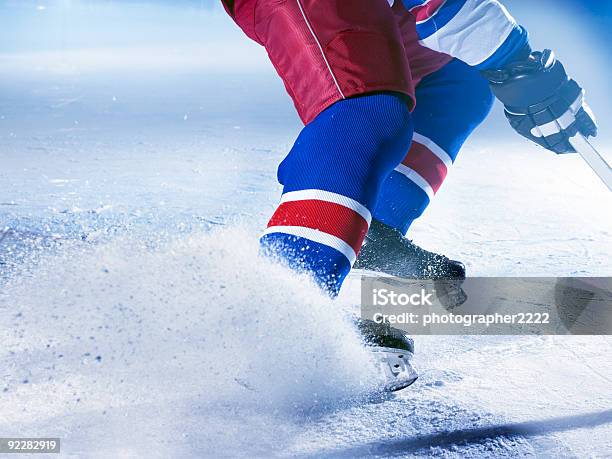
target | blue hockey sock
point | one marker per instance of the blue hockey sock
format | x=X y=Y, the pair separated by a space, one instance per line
x=332 y=177
x=451 y=103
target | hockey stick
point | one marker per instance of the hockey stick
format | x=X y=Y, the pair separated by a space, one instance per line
x=593 y=159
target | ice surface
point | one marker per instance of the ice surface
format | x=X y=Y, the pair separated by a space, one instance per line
x=136 y=319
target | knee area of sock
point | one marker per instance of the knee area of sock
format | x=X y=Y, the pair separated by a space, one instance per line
x=385 y=115
x=385 y=123
x=482 y=102
x=477 y=99
x=393 y=122
x=365 y=137
x=469 y=90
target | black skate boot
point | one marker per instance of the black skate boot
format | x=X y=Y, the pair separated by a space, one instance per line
x=393 y=350
x=386 y=250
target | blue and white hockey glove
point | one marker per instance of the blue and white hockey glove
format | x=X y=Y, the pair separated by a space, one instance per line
x=541 y=102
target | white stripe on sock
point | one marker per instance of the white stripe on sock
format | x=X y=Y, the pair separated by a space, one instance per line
x=317 y=236
x=413 y=175
x=434 y=148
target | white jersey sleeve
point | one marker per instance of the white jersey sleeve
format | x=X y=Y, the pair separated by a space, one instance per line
x=479 y=32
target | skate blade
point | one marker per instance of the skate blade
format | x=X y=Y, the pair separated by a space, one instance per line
x=396 y=366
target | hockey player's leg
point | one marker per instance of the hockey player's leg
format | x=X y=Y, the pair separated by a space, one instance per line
x=451 y=103
x=332 y=178
x=345 y=67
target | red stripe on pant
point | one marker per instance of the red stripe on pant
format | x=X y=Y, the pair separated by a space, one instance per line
x=423 y=161
x=328 y=217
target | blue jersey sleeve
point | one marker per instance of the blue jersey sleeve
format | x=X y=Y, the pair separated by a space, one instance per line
x=479 y=32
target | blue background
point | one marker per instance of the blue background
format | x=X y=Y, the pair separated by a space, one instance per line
x=579 y=32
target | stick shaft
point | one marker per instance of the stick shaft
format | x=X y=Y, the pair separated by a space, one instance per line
x=593 y=159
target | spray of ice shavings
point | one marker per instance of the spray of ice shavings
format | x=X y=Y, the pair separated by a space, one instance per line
x=148 y=340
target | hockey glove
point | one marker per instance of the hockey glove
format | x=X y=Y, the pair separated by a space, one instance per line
x=541 y=102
